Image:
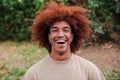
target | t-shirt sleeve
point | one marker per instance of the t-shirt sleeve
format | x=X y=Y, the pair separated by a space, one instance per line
x=95 y=73
x=31 y=73
x=28 y=76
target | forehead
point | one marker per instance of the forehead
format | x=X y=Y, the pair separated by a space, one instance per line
x=60 y=24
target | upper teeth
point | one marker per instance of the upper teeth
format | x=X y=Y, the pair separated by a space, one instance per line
x=60 y=41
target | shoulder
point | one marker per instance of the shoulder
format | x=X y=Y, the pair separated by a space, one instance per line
x=34 y=70
x=90 y=68
x=83 y=61
x=37 y=65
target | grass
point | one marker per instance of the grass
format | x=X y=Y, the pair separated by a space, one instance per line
x=17 y=57
x=112 y=74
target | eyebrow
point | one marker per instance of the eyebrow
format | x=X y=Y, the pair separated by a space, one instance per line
x=67 y=27
x=63 y=27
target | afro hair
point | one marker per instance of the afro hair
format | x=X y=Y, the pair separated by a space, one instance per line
x=76 y=16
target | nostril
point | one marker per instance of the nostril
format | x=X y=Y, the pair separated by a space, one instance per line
x=60 y=34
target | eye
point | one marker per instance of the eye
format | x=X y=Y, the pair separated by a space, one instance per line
x=66 y=30
x=54 y=30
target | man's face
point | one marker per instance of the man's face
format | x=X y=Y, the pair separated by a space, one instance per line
x=60 y=36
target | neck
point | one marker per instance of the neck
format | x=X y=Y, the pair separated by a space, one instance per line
x=60 y=56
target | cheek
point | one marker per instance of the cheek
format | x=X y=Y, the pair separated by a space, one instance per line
x=70 y=37
x=51 y=37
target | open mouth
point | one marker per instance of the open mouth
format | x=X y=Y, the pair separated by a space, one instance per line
x=60 y=41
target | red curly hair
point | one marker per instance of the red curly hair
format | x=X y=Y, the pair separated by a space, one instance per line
x=74 y=15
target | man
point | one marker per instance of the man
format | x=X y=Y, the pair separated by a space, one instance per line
x=60 y=29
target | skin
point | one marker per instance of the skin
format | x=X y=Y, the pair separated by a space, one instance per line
x=60 y=32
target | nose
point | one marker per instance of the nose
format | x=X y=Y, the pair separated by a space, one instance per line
x=60 y=34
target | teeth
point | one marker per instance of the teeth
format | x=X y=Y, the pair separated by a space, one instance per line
x=60 y=41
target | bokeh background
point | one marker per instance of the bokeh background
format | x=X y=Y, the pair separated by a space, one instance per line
x=18 y=52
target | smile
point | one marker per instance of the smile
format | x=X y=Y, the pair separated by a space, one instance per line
x=61 y=41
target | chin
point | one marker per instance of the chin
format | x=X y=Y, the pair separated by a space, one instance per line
x=61 y=50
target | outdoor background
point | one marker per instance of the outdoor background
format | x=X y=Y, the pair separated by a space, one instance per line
x=18 y=52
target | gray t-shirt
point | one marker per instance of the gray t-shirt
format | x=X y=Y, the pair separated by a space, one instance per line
x=75 y=68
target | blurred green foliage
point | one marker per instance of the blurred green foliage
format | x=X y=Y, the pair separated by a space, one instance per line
x=17 y=15
x=15 y=18
x=105 y=18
